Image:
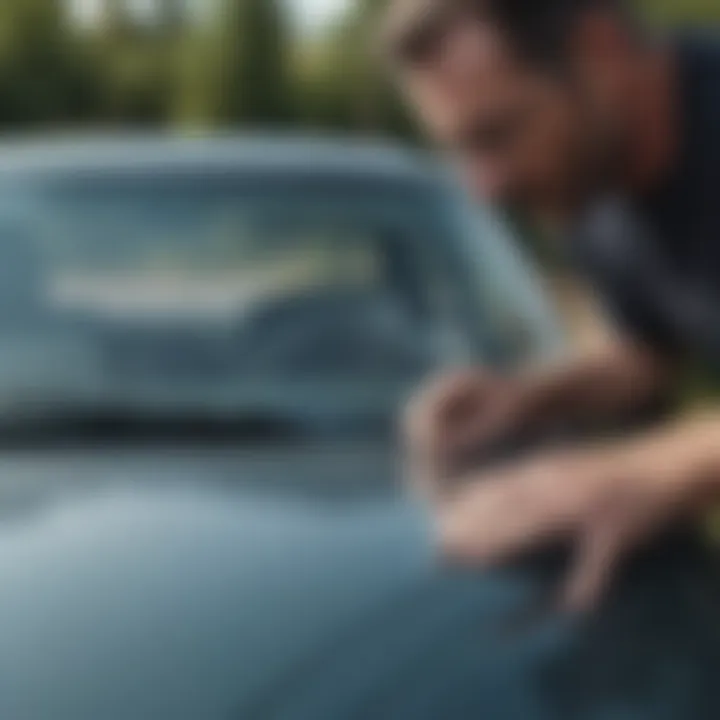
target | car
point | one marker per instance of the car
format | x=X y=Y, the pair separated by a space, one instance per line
x=204 y=344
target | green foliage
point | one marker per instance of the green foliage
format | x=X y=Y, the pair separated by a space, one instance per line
x=137 y=65
x=137 y=76
x=240 y=65
x=44 y=76
x=237 y=69
x=351 y=88
x=692 y=11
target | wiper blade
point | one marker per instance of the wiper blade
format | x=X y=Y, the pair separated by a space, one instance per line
x=105 y=425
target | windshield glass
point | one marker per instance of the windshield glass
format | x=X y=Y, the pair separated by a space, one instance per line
x=223 y=291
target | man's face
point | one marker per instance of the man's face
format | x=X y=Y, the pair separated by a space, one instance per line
x=520 y=136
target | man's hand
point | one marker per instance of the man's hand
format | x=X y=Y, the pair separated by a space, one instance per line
x=604 y=501
x=475 y=409
x=459 y=413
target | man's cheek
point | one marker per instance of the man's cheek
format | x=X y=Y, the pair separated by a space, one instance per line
x=433 y=107
x=546 y=171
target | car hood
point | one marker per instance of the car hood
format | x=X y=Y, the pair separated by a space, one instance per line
x=294 y=583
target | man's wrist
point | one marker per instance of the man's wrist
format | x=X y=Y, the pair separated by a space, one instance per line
x=685 y=457
x=540 y=401
x=700 y=449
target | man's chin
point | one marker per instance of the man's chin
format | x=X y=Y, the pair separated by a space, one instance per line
x=560 y=209
x=547 y=216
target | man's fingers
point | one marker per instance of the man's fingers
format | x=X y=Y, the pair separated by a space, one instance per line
x=498 y=421
x=597 y=558
x=471 y=523
x=431 y=425
x=496 y=519
x=449 y=404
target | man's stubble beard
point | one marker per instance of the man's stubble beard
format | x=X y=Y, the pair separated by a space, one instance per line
x=597 y=166
x=594 y=164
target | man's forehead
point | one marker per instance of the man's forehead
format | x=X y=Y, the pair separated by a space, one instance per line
x=470 y=54
x=472 y=68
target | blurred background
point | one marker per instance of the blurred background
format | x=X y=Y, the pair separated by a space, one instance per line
x=192 y=65
x=208 y=63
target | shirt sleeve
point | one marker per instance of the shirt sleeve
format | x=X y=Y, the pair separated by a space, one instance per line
x=633 y=315
x=614 y=251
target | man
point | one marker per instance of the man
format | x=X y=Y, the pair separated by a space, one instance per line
x=571 y=111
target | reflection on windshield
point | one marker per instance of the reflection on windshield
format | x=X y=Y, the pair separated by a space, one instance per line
x=191 y=288
x=228 y=292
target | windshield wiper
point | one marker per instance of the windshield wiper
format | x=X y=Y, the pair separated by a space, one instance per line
x=113 y=425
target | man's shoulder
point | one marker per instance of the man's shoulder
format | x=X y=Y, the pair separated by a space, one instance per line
x=608 y=239
x=702 y=45
x=618 y=234
x=688 y=195
x=699 y=57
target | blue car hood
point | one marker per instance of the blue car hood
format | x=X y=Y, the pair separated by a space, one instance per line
x=303 y=584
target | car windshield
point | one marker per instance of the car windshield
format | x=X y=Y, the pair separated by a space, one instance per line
x=223 y=292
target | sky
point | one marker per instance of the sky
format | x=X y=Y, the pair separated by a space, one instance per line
x=310 y=14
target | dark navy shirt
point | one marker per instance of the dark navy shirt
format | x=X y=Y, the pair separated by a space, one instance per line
x=656 y=260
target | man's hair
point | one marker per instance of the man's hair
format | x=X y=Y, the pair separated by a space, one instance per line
x=537 y=30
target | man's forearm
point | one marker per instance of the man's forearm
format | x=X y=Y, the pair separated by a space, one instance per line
x=688 y=451
x=598 y=387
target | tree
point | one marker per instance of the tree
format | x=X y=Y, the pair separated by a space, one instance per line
x=172 y=13
x=236 y=70
x=44 y=76
x=138 y=62
x=348 y=84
